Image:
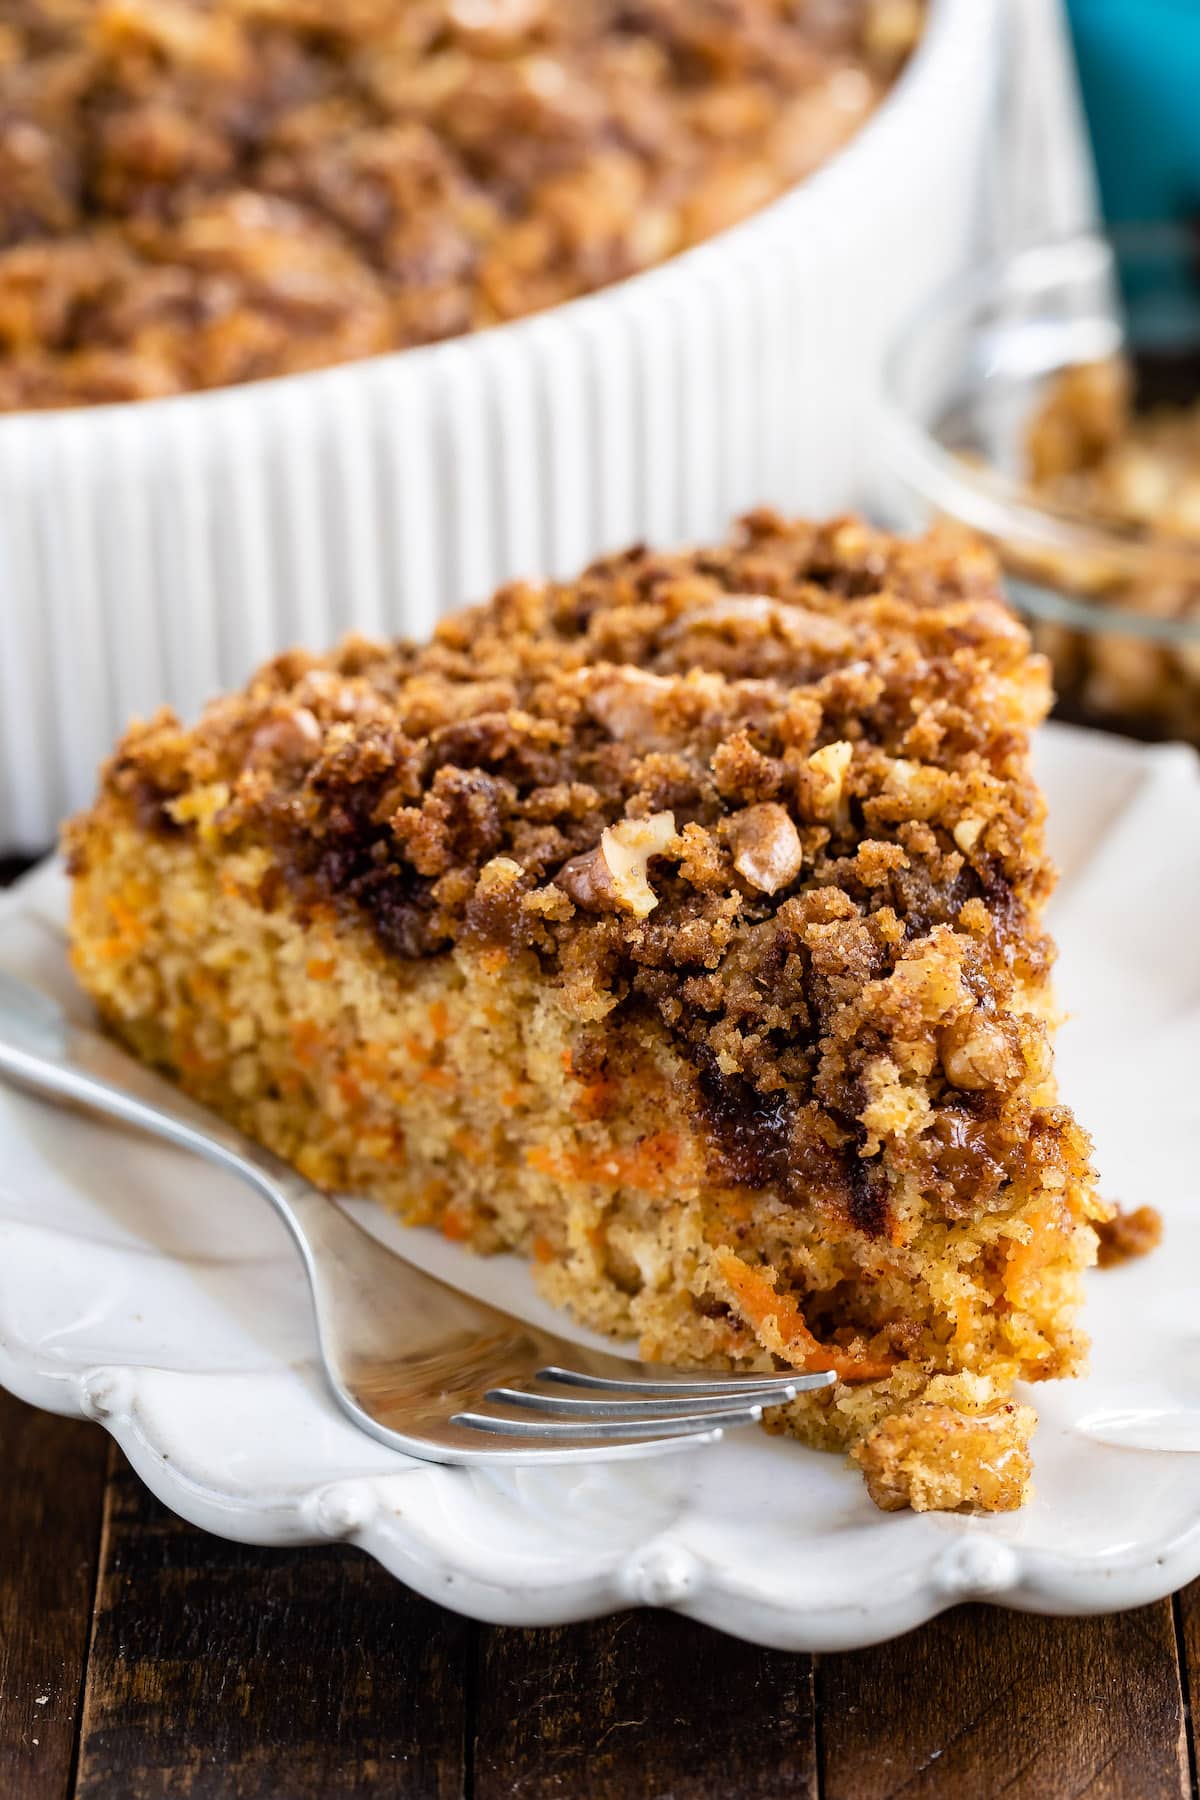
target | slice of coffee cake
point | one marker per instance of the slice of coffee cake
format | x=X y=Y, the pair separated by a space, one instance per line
x=680 y=926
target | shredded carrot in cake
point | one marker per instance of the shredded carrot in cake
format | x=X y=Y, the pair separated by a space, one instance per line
x=687 y=922
x=645 y=1166
x=1048 y=1233
x=779 y=1325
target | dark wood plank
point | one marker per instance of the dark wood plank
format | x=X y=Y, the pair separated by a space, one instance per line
x=221 y=1672
x=51 y=1495
x=1187 y=1629
x=645 y=1706
x=982 y=1703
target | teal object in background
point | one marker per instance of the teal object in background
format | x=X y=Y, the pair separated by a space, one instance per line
x=1139 y=66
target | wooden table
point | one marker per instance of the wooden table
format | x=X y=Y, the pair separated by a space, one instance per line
x=140 y=1659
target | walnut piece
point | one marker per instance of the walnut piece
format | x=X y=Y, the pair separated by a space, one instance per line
x=612 y=877
x=627 y=701
x=287 y=733
x=826 y=770
x=968 y=832
x=976 y=1053
x=797 y=625
x=766 y=846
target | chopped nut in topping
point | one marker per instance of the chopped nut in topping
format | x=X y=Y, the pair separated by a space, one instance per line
x=612 y=877
x=827 y=768
x=500 y=873
x=800 y=627
x=200 y=192
x=766 y=846
x=290 y=731
x=976 y=1053
x=967 y=833
x=566 y=988
x=629 y=702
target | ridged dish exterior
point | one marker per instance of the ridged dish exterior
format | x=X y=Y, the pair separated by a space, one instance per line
x=155 y=553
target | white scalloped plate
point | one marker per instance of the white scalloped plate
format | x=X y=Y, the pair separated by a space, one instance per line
x=141 y=1289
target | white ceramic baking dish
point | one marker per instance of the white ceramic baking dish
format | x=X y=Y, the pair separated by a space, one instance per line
x=152 y=553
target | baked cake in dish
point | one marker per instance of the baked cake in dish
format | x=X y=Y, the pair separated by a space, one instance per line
x=1096 y=455
x=201 y=192
x=679 y=926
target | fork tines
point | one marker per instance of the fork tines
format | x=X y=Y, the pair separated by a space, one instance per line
x=660 y=1403
x=610 y=1427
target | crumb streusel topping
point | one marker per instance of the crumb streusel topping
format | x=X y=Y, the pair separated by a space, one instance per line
x=201 y=192
x=678 y=925
x=1094 y=453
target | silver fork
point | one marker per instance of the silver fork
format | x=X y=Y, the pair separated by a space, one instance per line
x=413 y=1362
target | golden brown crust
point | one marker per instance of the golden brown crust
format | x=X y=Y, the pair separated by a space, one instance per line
x=195 y=194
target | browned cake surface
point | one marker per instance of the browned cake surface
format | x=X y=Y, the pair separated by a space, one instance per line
x=198 y=192
x=680 y=925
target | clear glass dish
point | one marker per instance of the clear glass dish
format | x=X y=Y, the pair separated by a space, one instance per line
x=1071 y=350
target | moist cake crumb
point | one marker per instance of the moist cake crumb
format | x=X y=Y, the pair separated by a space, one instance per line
x=680 y=926
x=1128 y=1234
x=933 y=1458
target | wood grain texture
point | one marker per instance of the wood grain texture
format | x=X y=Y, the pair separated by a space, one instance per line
x=644 y=1706
x=982 y=1703
x=1186 y=1606
x=222 y=1672
x=51 y=1494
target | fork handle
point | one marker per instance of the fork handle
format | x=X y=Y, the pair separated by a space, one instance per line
x=80 y=1071
x=41 y=1051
